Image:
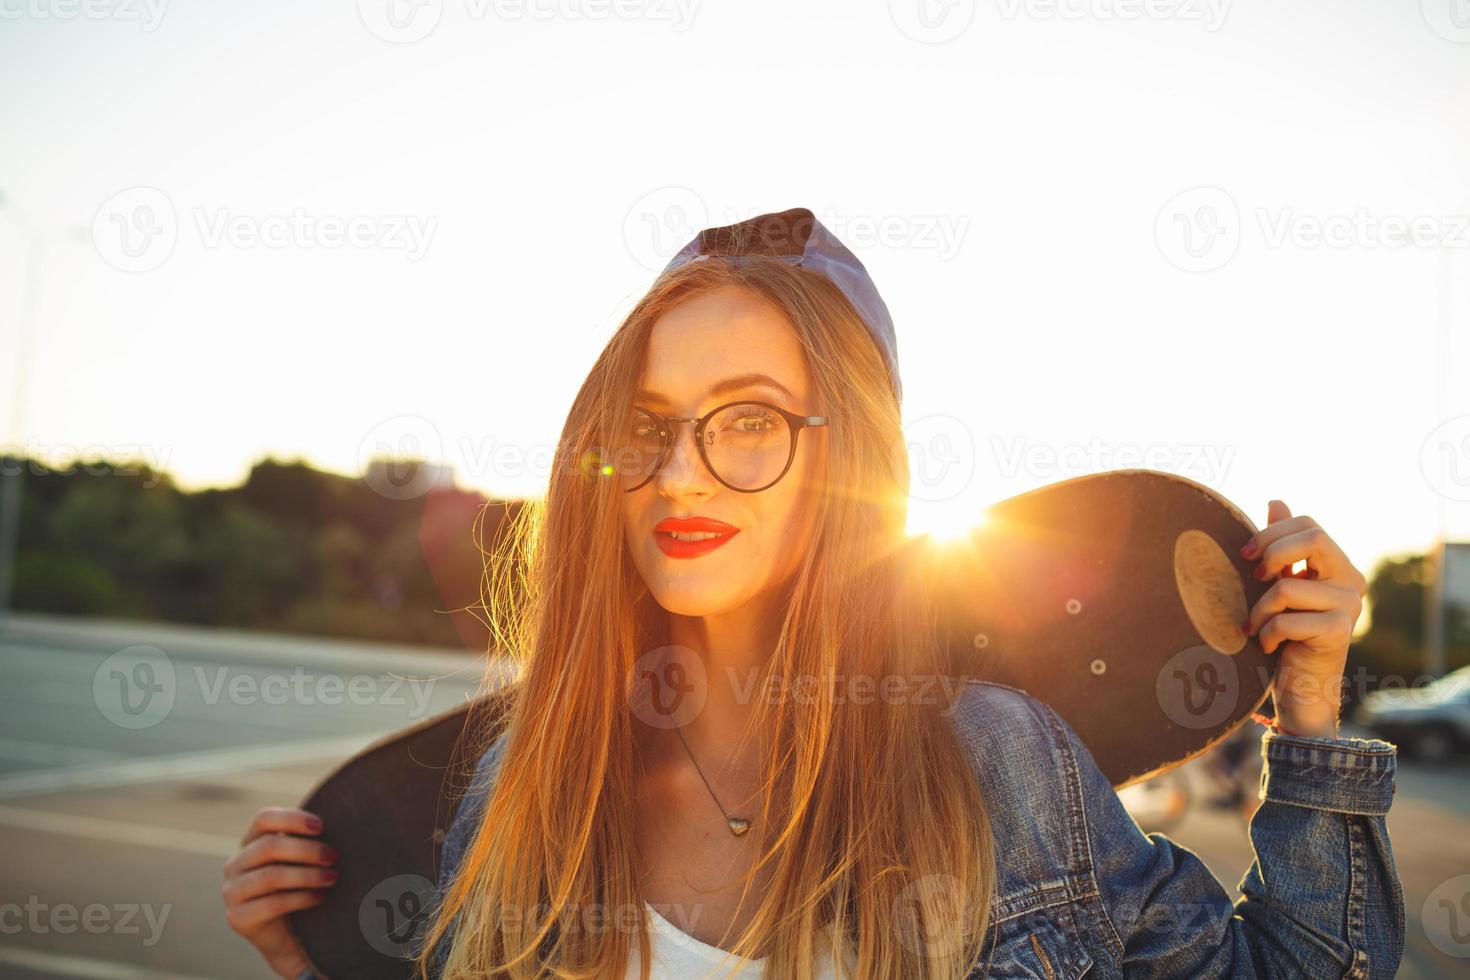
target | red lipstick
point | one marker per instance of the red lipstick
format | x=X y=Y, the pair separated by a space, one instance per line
x=674 y=548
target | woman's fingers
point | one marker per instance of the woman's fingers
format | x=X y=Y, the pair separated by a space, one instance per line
x=282 y=820
x=279 y=848
x=247 y=917
x=1279 y=523
x=1313 y=545
x=1294 y=539
x=276 y=878
x=1303 y=594
x=279 y=869
x=1314 y=630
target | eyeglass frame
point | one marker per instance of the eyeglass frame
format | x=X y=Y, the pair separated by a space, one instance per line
x=795 y=422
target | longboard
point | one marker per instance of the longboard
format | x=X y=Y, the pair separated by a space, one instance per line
x=1117 y=599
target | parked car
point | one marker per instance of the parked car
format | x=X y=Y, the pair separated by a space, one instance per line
x=1431 y=722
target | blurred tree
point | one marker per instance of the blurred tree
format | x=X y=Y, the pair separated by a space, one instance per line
x=135 y=535
x=292 y=548
x=69 y=584
x=1391 y=652
x=250 y=571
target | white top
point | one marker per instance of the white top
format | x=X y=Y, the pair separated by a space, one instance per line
x=679 y=956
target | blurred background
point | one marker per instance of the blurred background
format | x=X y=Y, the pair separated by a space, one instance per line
x=289 y=294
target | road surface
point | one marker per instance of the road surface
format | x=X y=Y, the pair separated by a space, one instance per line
x=133 y=755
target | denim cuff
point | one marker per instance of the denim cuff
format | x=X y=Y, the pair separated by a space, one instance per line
x=1345 y=775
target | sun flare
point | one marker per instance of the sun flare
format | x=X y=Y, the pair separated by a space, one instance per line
x=945 y=520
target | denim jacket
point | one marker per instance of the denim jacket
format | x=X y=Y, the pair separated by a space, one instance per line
x=1083 y=891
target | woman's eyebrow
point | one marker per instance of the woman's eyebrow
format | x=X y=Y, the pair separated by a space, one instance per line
x=727 y=386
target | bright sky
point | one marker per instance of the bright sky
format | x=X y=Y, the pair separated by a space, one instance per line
x=1172 y=228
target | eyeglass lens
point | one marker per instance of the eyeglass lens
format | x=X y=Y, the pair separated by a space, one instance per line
x=747 y=445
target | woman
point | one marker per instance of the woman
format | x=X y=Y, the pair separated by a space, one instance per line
x=726 y=752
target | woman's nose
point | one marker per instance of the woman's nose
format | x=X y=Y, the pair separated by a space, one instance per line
x=682 y=462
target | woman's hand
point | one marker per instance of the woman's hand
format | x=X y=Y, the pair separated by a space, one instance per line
x=277 y=871
x=1306 y=617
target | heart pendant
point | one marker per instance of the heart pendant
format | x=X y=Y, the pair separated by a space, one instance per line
x=739 y=825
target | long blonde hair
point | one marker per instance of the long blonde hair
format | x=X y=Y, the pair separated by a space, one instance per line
x=870 y=819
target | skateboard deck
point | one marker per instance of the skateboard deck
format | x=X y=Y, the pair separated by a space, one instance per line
x=1117 y=599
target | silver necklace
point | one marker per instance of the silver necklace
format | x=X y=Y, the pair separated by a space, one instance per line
x=737 y=825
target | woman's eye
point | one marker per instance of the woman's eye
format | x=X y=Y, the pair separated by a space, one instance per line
x=756 y=419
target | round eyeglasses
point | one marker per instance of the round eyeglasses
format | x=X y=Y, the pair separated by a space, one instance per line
x=747 y=446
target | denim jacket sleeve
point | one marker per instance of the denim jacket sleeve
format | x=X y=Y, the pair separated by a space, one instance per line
x=1321 y=898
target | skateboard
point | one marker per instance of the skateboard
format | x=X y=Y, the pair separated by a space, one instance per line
x=1116 y=599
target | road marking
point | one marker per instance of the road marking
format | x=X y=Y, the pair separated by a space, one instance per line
x=118 y=832
x=82 y=967
x=240 y=647
x=288 y=784
x=406 y=695
x=171 y=768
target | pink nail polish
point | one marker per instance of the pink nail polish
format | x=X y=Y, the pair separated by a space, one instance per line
x=1248 y=550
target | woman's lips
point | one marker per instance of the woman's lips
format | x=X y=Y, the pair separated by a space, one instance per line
x=675 y=548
